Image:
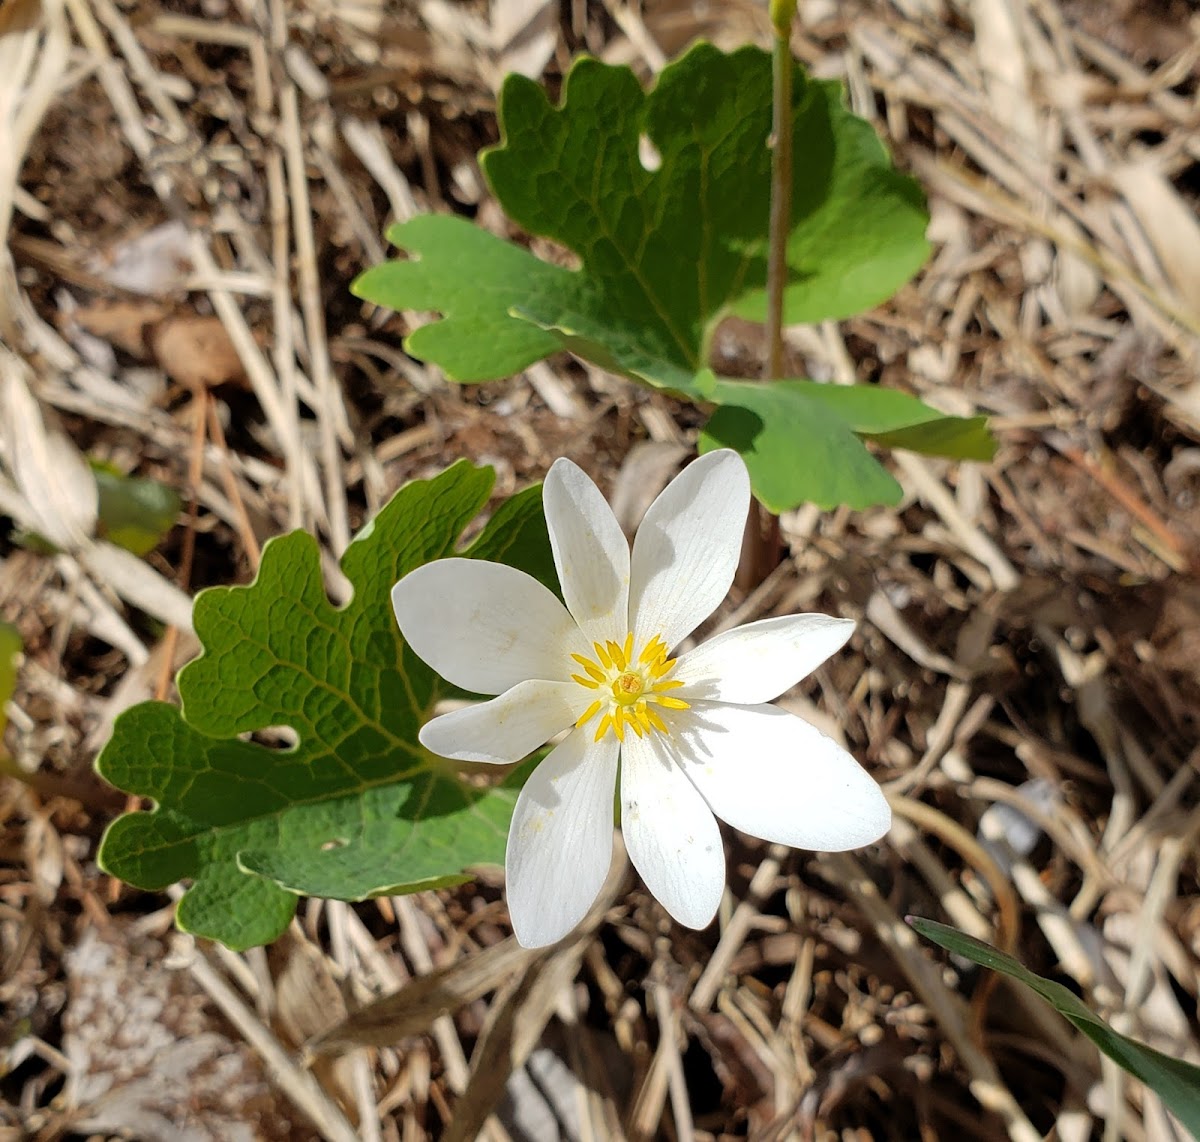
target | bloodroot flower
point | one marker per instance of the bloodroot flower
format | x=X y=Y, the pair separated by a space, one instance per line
x=687 y=737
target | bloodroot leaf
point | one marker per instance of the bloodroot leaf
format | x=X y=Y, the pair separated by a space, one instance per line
x=803 y=441
x=661 y=199
x=355 y=807
x=665 y=248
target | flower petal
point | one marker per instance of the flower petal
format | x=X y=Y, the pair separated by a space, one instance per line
x=561 y=840
x=759 y=661
x=590 y=552
x=672 y=837
x=687 y=548
x=484 y=626
x=772 y=775
x=507 y=728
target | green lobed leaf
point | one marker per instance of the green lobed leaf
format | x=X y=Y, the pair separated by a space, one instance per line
x=795 y=446
x=898 y=420
x=664 y=253
x=471 y=277
x=1176 y=1082
x=802 y=441
x=357 y=807
x=134 y=512
x=860 y=229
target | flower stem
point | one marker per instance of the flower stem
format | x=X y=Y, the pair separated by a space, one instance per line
x=761 y=546
x=781 y=182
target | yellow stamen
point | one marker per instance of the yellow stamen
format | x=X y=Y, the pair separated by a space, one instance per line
x=592 y=669
x=652 y=650
x=631 y=690
x=589 y=713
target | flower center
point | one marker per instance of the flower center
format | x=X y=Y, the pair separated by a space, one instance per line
x=629 y=688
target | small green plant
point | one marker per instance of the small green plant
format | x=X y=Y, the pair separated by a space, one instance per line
x=664 y=197
x=668 y=211
x=1177 y=1083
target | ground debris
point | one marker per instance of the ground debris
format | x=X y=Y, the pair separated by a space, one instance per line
x=147 y=1058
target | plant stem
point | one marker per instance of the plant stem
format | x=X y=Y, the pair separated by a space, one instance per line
x=761 y=545
x=781 y=182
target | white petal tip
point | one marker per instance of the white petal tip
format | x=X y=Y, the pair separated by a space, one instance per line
x=560 y=842
x=532 y=936
x=437 y=743
x=546 y=922
x=870 y=823
x=698 y=920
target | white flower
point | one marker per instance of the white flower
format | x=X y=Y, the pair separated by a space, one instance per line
x=692 y=735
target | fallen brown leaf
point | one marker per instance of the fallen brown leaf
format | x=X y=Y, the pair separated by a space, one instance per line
x=196 y=351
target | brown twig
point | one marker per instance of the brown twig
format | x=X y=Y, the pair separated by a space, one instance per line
x=1008 y=912
x=188 y=553
x=1182 y=555
x=245 y=530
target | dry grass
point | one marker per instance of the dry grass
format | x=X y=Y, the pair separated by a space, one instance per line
x=186 y=195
